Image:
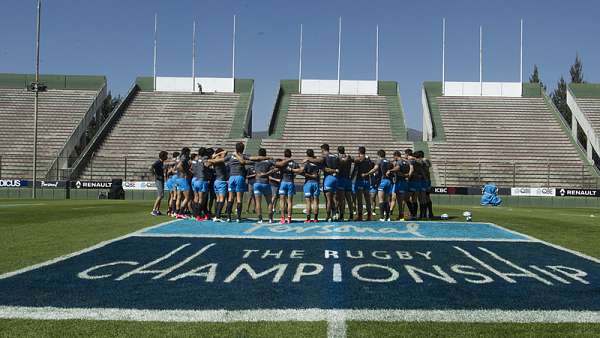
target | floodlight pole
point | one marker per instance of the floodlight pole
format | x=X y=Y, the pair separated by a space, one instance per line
x=300 y=64
x=481 y=60
x=194 y=56
x=155 y=44
x=377 y=56
x=521 y=56
x=339 y=54
x=36 y=97
x=443 y=56
x=233 y=53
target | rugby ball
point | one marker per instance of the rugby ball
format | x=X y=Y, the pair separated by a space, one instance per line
x=444 y=216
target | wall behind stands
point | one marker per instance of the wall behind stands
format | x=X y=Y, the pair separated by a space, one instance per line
x=347 y=87
x=504 y=89
x=184 y=84
x=81 y=82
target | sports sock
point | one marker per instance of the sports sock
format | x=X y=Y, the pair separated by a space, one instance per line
x=228 y=209
x=382 y=209
x=430 y=208
x=239 y=210
x=219 y=209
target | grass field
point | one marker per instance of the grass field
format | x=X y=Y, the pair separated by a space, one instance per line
x=35 y=231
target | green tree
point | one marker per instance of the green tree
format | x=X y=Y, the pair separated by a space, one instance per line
x=559 y=97
x=535 y=77
x=576 y=70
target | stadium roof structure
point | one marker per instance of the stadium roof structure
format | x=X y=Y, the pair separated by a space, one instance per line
x=584 y=101
x=512 y=141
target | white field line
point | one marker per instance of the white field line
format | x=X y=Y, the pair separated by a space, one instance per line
x=225 y=316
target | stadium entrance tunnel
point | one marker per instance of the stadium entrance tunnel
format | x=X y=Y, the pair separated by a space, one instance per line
x=187 y=266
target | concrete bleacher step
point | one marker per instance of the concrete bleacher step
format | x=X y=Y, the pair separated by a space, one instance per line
x=490 y=137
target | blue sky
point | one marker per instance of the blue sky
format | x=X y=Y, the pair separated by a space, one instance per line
x=114 y=38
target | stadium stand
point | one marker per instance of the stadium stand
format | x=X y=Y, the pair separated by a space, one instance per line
x=584 y=101
x=302 y=121
x=64 y=114
x=512 y=141
x=149 y=121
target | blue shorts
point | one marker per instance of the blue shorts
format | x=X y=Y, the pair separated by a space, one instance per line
x=169 y=183
x=385 y=186
x=427 y=185
x=220 y=188
x=361 y=184
x=199 y=185
x=401 y=187
x=181 y=184
x=373 y=188
x=330 y=184
x=237 y=184
x=344 y=184
x=287 y=189
x=262 y=189
x=311 y=189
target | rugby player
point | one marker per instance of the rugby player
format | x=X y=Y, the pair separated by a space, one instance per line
x=289 y=168
x=209 y=173
x=182 y=183
x=383 y=165
x=200 y=185
x=330 y=164
x=344 y=183
x=158 y=170
x=428 y=187
x=374 y=180
x=262 y=187
x=220 y=184
x=422 y=165
x=171 y=176
x=251 y=179
x=275 y=181
x=413 y=184
x=362 y=185
x=401 y=171
x=311 y=188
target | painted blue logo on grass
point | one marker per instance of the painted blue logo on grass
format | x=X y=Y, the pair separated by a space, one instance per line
x=234 y=274
x=367 y=230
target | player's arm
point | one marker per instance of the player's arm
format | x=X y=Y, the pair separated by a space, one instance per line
x=273 y=179
x=372 y=171
x=396 y=168
x=314 y=160
x=266 y=173
x=220 y=154
x=258 y=158
x=282 y=163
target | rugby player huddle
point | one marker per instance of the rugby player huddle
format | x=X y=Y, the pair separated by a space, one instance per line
x=197 y=182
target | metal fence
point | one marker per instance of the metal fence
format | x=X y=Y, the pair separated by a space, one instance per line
x=515 y=174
